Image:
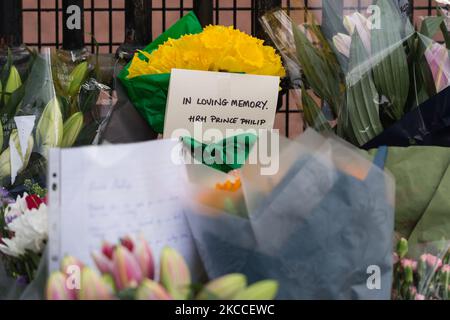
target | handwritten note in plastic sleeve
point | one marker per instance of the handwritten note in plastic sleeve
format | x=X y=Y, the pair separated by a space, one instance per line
x=108 y=192
x=220 y=101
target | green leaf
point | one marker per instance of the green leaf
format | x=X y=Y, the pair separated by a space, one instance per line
x=4 y=75
x=13 y=104
x=363 y=119
x=431 y=25
x=319 y=72
x=314 y=117
x=14 y=83
x=39 y=87
x=1 y=136
x=391 y=73
x=88 y=98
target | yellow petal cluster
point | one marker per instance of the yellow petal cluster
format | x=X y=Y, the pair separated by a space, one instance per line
x=217 y=48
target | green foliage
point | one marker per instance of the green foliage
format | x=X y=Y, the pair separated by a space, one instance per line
x=390 y=71
x=320 y=68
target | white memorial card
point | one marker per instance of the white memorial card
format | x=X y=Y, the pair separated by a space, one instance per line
x=102 y=193
x=220 y=102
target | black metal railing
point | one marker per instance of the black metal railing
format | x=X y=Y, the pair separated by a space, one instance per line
x=144 y=19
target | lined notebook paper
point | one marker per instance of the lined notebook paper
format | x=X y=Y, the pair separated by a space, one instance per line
x=102 y=193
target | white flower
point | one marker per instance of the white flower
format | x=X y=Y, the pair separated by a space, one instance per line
x=30 y=233
x=342 y=43
x=362 y=25
x=16 y=209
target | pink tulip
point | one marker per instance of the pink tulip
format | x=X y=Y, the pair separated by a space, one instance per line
x=128 y=243
x=104 y=265
x=439 y=62
x=126 y=270
x=57 y=288
x=144 y=256
x=108 y=250
x=93 y=287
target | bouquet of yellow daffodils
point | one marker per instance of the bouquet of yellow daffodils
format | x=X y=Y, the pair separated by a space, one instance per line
x=217 y=48
x=186 y=45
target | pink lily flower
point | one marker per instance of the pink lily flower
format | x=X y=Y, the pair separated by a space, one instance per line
x=439 y=62
x=57 y=288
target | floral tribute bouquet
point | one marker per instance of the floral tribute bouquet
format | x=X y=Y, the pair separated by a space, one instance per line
x=186 y=45
x=24 y=231
x=36 y=117
x=371 y=69
x=382 y=82
x=314 y=226
x=49 y=104
x=128 y=272
x=425 y=278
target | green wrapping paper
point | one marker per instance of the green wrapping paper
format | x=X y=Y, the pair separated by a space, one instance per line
x=149 y=93
x=226 y=155
x=422 y=177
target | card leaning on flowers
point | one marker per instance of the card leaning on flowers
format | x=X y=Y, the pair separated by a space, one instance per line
x=186 y=45
x=51 y=102
x=383 y=83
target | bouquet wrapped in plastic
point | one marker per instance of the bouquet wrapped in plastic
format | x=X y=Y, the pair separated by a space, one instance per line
x=374 y=72
x=320 y=226
x=382 y=82
x=48 y=106
x=422 y=273
x=54 y=103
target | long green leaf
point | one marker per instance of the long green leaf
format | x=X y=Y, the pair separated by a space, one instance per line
x=391 y=73
x=313 y=116
x=322 y=78
x=430 y=26
x=362 y=97
x=1 y=136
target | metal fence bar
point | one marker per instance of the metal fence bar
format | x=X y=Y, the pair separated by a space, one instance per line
x=73 y=24
x=204 y=9
x=138 y=27
x=10 y=23
x=260 y=7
